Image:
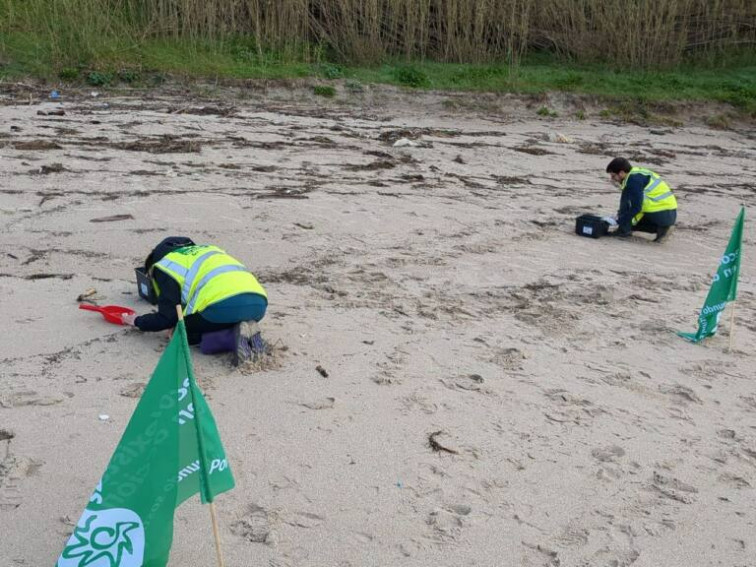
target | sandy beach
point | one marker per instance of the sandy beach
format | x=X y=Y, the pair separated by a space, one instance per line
x=499 y=391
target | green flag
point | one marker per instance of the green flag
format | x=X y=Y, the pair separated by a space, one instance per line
x=724 y=288
x=170 y=451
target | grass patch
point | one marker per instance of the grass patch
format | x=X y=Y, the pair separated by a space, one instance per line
x=735 y=85
x=410 y=76
x=218 y=60
x=546 y=112
x=330 y=70
x=326 y=91
x=99 y=78
x=719 y=121
x=148 y=61
x=354 y=86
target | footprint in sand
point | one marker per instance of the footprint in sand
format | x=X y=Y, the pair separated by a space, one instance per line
x=680 y=394
x=446 y=525
x=325 y=403
x=303 y=520
x=748 y=402
x=13 y=471
x=608 y=454
x=570 y=408
x=615 y=558
x=507 y=358
x=362 y=537
x=610 y=468
x=390 y=367
x=574 y=536
x=673 y=488
x=418 y=402
x=255 y=525
x=734 y=481
x=134 y=390
x=536 y=554
x=28 y=398
x=468 y=383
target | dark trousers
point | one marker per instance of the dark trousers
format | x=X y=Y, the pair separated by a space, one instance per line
x=652 y=222
x=196 y=326
x=224 y=315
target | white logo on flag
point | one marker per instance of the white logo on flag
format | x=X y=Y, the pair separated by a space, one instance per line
x=105 y=538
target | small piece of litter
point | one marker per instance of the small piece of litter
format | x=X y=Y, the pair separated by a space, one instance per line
x=404 y=142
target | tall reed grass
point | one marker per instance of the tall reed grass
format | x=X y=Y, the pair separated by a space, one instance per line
x=645 y=33
x=633 y=33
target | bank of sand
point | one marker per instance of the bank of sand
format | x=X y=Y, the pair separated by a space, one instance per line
x=440 y=286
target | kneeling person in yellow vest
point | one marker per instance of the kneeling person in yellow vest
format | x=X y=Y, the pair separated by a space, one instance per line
x=647 y=203
x=221 y=299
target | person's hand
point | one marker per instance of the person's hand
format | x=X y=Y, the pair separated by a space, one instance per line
x=128 y=318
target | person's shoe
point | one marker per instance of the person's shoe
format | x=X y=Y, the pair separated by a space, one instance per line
x=242 y=350
x=256 y=342
x=619 y=234
x=663 y=233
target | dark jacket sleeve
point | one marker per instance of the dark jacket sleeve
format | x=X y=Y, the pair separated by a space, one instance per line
x=166 y=316
x=631 y=202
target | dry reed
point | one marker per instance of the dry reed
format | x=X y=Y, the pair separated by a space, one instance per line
x=637 y=33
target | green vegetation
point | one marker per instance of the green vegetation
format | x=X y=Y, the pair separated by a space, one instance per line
x=98 y=78
x=546 y=112
x=354 y=86
x=326 y=91
x=640 y=34
x=719 y=121
x=666 y=50
x=734 y=84
x=410 y=76
x=331 y=71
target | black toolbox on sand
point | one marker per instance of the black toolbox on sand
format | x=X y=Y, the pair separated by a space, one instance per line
x=144 y=286
x=591 y=226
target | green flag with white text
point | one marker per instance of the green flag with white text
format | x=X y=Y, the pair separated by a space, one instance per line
x=170 y=451
x=724 y=288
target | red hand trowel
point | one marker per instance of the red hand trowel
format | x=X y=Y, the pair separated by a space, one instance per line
x=111 y=313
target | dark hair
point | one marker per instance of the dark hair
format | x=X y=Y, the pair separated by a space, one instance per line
x=165 y=247
x=619 y=164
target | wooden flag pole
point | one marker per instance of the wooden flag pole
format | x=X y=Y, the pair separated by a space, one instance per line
x=213 y=516
x=732 y=326
x=216 y=534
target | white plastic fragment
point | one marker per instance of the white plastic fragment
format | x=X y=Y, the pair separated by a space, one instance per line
x=404 y=142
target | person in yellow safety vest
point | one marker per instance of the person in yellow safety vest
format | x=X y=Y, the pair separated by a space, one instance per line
x=221 y=300
x=646 y=204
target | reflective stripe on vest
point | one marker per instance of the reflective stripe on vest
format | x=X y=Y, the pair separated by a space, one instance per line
x=191 y=275
x=652 y=203
x=216 y=272
x=187 y=268
x=173 y=267
x=653 y=185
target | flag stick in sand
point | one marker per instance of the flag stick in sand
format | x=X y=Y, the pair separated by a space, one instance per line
x=213 y=517
x=732 y=326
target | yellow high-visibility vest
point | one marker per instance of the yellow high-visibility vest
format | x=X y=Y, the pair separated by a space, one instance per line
x=206 y=275
x=657 y=196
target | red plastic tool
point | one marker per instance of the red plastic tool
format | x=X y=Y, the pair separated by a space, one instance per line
x=112 y=313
